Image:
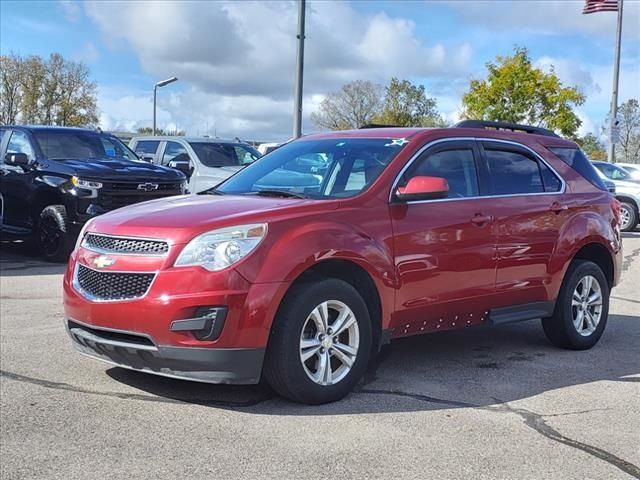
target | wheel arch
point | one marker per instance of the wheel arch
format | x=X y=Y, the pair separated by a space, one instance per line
x=621 y=197
x=597 y=253
x=587 y=236
x=359 y=278
x=43 y=198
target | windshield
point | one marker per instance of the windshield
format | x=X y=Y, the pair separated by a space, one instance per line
x=224 y=154
x=323 y=169
x=75 y=145
x=613 y=172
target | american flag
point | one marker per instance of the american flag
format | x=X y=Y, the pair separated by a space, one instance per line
x=593 y=6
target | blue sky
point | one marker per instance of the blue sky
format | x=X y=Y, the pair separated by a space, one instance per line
x=235 y=59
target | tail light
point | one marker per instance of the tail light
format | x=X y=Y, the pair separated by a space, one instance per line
x=615 y=207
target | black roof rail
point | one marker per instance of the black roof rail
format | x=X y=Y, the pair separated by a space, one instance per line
x=514 y=127
x=377 y=125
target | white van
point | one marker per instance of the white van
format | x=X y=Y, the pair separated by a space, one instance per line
x=206 y=161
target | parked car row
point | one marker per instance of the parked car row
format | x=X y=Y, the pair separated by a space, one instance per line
x=627 y=191
x=54 y=179
x=205 y=161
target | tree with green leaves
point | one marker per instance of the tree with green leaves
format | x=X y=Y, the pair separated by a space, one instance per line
x=161 y=132
x=516 y=91
x=592 y=146
x=10 y=88
x=353 y=106
x=49 y=92
x=629 y=126
x=407 y=105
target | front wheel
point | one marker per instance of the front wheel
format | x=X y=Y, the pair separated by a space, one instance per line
x=320 y=342
x=53 y=237
x=582 y=308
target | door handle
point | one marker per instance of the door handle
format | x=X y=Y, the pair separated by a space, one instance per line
x=557 y=207
x=480 y=219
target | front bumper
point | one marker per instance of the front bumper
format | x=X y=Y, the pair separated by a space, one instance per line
x=134 y=351
x=149 y=333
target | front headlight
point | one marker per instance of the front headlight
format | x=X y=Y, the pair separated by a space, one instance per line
x=222 y=248
x=85 y=227
x=88 y=184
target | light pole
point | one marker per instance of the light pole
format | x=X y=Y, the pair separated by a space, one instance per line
x=155 y=90
x=297 y=109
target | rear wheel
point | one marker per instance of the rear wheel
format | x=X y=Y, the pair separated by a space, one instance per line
x=54 y=240
x=320 y=342
x=582 y=308
x=628 y=217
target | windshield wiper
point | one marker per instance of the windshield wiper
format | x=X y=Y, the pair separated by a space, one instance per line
x=212 y=191
x=280 y=193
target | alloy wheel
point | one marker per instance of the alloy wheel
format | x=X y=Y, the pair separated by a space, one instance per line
x=586 y=305
x=329 y=342
x=625 y=218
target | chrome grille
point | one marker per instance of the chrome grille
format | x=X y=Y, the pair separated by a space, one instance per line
x=105 y=286
x=108 y=244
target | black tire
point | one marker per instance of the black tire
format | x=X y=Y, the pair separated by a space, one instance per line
x=283 y=368
x=633 y=216
x=560 y=328
x=53 y=237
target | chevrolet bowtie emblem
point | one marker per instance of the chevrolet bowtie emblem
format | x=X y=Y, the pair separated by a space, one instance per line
x=148 y=187
x=103 y=261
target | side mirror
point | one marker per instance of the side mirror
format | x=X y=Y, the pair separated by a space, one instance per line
x=17 y=159
x=423 y=188
x=146 y=158
x=182 y=165
x=611 y=187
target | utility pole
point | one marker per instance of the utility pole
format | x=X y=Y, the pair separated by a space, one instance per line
x=297 y=110
x=611 y=154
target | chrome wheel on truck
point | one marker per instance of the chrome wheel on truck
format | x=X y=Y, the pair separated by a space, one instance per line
x=329 y=342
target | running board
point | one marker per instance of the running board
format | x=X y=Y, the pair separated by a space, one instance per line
x=519 y=313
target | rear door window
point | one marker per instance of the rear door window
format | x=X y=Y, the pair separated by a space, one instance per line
x=148 y=147
x=514 y=171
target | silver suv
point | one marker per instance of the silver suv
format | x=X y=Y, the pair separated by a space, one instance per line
x=627 y=192
x=206 y=161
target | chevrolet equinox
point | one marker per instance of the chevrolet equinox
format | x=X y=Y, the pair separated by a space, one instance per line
x=298 y=268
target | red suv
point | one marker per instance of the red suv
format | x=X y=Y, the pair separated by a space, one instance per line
x=299 y=267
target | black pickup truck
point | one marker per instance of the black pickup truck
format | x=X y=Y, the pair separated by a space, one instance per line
x=54 y=179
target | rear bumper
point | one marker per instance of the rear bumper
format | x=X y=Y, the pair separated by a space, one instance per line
x=138 y=352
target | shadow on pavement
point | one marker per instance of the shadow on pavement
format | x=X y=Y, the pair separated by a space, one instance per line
x=472 y=368
x=16 y=259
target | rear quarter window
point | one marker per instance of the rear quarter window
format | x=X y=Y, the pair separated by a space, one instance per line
x=577 y=160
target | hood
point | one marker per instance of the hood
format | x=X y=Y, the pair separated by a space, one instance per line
x=626 y=185
x=182 y=218
x=120 y=169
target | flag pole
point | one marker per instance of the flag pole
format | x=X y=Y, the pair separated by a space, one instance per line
x=614 y=96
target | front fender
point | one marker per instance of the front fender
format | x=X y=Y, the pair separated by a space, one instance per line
x=294 y=250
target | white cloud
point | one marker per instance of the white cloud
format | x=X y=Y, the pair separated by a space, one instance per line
x=71 y=9
x=237 y=59
x=596 y=82
x=88 y=53
x=548 y=17
x=571 y=72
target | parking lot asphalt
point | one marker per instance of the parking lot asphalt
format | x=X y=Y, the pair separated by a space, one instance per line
x=495 y=403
